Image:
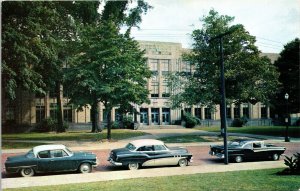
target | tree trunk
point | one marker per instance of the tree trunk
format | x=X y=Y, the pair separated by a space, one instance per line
x=59 y=97
x=95 y=118
x=109 y=123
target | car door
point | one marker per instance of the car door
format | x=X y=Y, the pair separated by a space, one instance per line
x=44 y=158
x=164 y=157
x=61 y=161
x=149 y=154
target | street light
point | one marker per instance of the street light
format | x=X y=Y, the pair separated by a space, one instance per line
x=286 y=97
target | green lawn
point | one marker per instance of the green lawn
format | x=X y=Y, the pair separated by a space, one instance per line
x=117 y=134
x=184 y=139
x=259 y=130
x=19 y=145
x=238 y=180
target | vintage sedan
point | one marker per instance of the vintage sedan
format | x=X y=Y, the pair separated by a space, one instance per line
x=149 y=152
x=243 y=149
x=50 y=158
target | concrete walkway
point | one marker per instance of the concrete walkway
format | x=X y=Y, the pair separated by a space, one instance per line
x=127 y=174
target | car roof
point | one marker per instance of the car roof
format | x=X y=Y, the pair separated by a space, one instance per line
x=247 y=140
x=40 y=148
x=144 y=142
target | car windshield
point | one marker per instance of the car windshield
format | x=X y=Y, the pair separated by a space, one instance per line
x=130 y=147
x=30 y=154
x=236 y=143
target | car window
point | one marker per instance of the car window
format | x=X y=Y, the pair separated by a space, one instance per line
x=30 y=154
x=248 y=146
x=146 y=148
x=130 y=147
x=58 y=153
x=44 y=154
x=159 y=148
x=256 y=145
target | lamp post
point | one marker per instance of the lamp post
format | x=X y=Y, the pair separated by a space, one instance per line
x=286 y=97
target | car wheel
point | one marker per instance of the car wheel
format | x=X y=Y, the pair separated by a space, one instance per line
x=238 y=159
x=182 y=162
x=85 y=168
x=275 y=156
x=133 y=166
x=27 y=172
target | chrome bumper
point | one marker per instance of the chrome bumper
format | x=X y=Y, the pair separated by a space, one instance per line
x=114 y=162
x=219 y=155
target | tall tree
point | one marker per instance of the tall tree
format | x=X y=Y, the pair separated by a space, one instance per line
x=110 y=69
x=288 y=65
x=249 y=77
x=37 y=42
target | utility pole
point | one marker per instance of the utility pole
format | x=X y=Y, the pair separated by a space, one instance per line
x=223 y=93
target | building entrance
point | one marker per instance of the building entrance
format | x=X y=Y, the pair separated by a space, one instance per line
x=165 y=116
x=155 y=116
x=144 y=116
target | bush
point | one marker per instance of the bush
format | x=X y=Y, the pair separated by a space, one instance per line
x=47 y=125
x=239 y=122
x=293 y=165
x=127 y=122
x=115 y=125
x=190 y=121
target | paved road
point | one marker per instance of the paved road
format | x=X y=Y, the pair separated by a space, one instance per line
x=203 y=163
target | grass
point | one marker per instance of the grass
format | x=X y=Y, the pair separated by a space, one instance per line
x=184 y=139
x=19 y=145
x=117 y=134
x=259 y=130
x=239 y=180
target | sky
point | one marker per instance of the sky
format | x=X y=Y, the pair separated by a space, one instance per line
x=273 y=22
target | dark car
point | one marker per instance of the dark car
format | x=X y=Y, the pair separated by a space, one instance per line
x=149 y=152
x=50 y=158
x=243 y=149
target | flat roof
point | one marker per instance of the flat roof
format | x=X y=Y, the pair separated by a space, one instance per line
x=39 y=148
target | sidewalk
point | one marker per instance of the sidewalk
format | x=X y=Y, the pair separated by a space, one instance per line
x=127 y=174
x=152 y=134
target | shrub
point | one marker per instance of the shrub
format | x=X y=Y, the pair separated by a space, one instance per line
x=239 y=122
x=190 y=121
x=46 y=125
x=127 y=122
x=10 y=126
x=293 y=165
x=115 y=125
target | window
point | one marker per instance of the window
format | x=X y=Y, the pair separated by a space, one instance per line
x=159 y=148
x=44 y=154
x=228 y=112
x=58 y=153
x=256 y=145
x=39 y=113
x=146 y=148
x=207 y=113
x=165 y=66
x=248 y=146
x=165 y=89
x=246 y=112
x=187 y=68
x=153 y=64
x=237 y=112
x=198 y=112
x=154 y=89
x=68 y=114
x=263 y=111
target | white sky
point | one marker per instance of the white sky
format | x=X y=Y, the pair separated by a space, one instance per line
x=273 y=22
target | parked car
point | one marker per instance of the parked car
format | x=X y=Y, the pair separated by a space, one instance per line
x=50 y=158
x=243 y=149
x=149 y=152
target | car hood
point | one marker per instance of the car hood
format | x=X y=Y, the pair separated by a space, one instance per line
x=120 y=150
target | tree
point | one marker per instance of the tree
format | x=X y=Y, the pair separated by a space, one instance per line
x=288 y=66
x=249 y=77
x=110 y=69
x=109 y=63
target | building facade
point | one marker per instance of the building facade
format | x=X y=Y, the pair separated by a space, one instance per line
x=162 y=58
